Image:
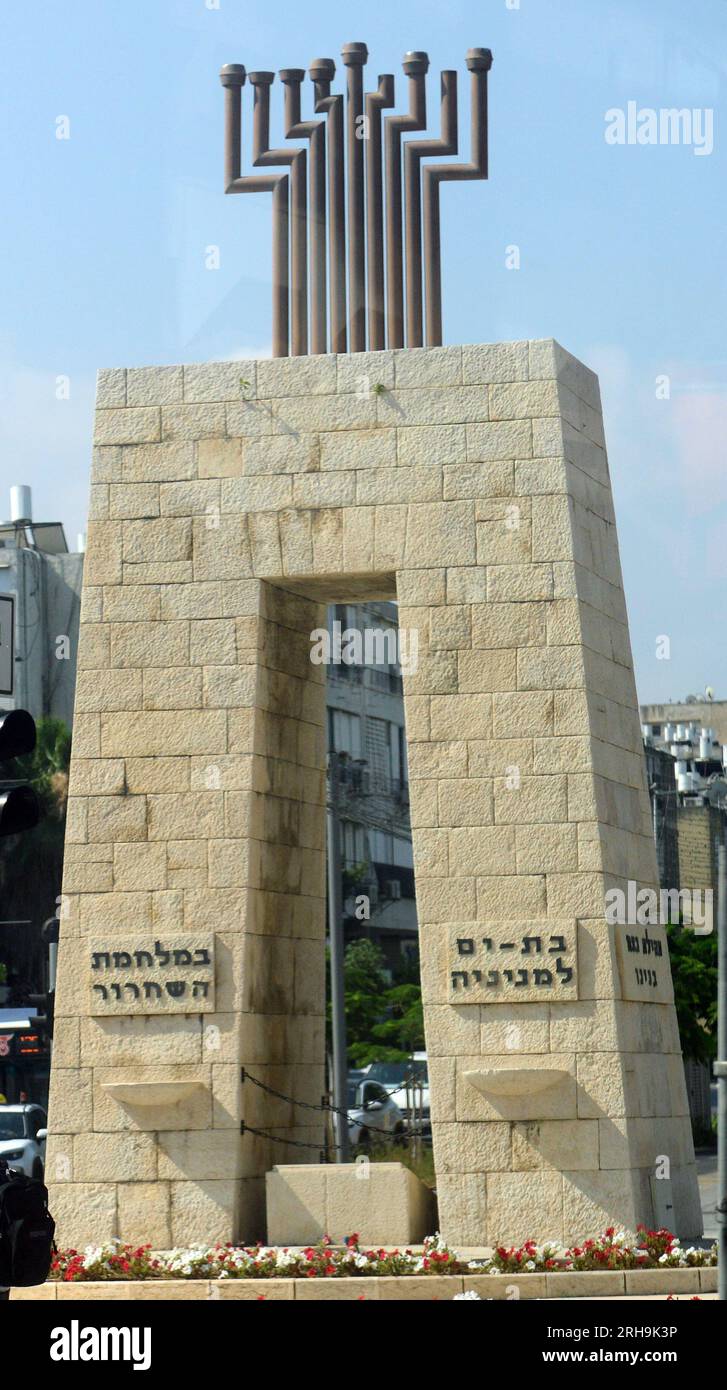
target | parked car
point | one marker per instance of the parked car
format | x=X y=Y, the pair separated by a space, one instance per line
x=22 y=1138
x=370 y=1107
x=394 y=1075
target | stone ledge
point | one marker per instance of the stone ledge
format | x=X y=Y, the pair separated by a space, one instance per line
x=584 y=1284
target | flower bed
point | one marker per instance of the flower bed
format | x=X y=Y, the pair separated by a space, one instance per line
x=612 y=1251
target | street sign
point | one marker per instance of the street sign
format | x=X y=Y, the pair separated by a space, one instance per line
x=7 y=644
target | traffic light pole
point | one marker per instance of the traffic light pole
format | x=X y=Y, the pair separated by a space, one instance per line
x=335 y=932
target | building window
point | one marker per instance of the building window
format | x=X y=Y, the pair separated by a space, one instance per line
x=345 y=731
x=353 y=843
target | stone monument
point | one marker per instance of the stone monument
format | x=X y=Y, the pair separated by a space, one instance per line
x=230 y=502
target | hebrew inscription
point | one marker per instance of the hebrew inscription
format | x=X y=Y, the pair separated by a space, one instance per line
x=643 y=963
x=511 y=962
x=166 y=974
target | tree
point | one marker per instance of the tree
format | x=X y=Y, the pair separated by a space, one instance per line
x=31 y=864
x=46 y=768
x=384 y=1021
x=694 y=972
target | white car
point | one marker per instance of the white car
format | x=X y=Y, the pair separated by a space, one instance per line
x=370 y=1108
x=414 y=1096
x=22 y=1138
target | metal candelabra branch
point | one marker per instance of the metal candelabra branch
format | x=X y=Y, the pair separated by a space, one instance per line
x=356 y=220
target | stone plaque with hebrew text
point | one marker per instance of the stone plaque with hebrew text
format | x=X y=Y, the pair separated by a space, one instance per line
x=513 y=962
x=172 y=973
x=643 y=963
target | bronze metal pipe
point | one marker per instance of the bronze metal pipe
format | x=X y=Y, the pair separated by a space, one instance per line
x=415 y=66
x=232 y=78
x=315 y=132
x=297 y=159
x=354 y=57
x=291 y=79
x=322 y=73
x=414 y=152
x=479 y=62
x=374 y=104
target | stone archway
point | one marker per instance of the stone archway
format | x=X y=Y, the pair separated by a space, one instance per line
x=229 y=502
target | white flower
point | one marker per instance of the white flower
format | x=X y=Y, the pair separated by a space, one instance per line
x=530 y=1264
x=663 y=1259
x=469 y=1295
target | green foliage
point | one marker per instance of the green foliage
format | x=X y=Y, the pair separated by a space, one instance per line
x=46 y=768
x=694 y=971
x=403 y=1030
x=384 y=1022
x=31 y=864
x=353 y=879
x=419 y=1158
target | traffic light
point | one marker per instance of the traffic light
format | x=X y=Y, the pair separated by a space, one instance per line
x=43 y=1023
x=19 y=805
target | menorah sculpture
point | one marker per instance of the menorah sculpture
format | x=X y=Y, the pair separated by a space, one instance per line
x=355 y=176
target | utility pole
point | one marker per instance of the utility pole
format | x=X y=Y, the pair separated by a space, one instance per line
x=335 y=932
x=720 y=1069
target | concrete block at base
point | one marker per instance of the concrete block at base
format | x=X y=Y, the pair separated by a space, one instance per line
x=273 y=1290
x=383 y=1203
x=607 y=1283
x=646 y=1281
x=339 y=1290
x=149 y=1291
x=295 y=1200
x=423 y=1287
x=506 y=1286
x=45 y=1292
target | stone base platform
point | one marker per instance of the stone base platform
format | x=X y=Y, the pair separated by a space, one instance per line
x=647 y=1283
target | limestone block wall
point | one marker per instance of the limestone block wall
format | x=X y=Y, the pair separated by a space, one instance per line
x=229 y=502
x=699 y=828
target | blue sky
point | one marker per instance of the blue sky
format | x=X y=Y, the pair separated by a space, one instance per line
x=103 y=238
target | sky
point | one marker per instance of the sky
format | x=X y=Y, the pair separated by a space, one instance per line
x=104 y=240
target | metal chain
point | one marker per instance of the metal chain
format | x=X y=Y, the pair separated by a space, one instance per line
x=307 y=1105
